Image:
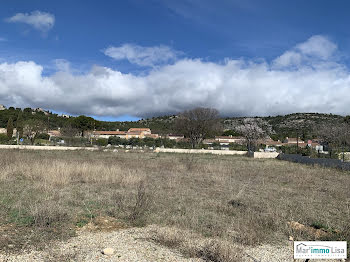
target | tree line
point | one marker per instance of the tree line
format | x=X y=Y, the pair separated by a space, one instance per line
x=196 y=125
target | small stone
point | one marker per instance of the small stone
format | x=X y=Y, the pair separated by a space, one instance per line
x=108 y=251
x=291 y=238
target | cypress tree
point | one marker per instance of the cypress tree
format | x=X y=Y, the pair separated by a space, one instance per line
x=10 y=128
x=19 y=125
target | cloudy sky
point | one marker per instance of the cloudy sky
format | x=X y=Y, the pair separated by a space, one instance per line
x=123 y=60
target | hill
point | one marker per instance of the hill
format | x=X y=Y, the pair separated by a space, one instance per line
x=282 y=125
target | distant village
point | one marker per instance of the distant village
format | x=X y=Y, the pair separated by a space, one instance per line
x=222 y=141
x=218 y=142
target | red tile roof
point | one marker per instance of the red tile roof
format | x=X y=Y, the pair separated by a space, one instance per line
x=230 y=137
x=109 y=132
x=138 y=130
x=151 y=135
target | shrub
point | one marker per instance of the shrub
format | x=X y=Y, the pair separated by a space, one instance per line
x=114 y=140
x=101 y=142
x=3 y=139
x=149 y=141
x=183 y=144
x=43 y=136
x=234 y=146
x=142 y=203
x=216 y=145
x=306 y=151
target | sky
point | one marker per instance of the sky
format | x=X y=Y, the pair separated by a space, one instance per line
x=127 y=60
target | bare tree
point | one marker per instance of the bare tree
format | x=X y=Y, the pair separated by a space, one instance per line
x=32 y=128
x=253 y=129
x=69 y=132
x=198 y=124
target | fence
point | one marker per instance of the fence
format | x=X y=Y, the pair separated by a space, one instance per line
x=324 y=162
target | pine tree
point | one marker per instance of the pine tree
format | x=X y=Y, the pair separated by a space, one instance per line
x=10 y=128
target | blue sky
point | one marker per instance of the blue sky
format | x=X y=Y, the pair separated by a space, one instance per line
x=134 y=59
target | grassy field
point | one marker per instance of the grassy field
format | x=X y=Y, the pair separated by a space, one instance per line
x=224 y=201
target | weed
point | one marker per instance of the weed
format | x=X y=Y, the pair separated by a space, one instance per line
x=141 y=206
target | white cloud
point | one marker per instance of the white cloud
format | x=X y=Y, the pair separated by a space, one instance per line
x=62 y=65
x=2 y=39
x=236 y=87
x=318 y=46
x=313 y=51
x=288 y=58
x=143 y=56
x=41 y=21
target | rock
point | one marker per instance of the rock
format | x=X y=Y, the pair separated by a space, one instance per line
x=108 y=251
x=291 y=238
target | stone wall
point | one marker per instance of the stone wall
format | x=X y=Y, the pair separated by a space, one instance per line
x=265 y=154
x=200 y=151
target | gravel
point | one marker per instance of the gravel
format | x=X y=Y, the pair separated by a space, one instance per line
x=129 y=245
x=134 y=245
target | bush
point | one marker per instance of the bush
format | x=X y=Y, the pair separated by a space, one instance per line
x=234 y=146
x=134 y=141
x=205 y=146
x=306 y=151
x=216 y=145
x=183 y=144
x=40 y=142
x=149 y=141
x=114 y=140
x=168 y=143
x=3 y=139
x=43 y=136
x=101 y=142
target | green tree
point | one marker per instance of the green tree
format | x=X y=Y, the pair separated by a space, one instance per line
x=10 y=128
x=19 y=124
x=83 y=123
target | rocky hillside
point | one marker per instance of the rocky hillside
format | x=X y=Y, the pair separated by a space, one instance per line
x=287 y=125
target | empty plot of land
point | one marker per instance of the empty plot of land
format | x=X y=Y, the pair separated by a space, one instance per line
x=217 y=208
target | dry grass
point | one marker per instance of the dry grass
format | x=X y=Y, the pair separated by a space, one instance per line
x=224 y=200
